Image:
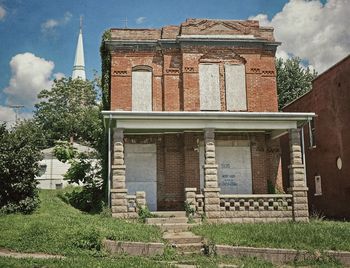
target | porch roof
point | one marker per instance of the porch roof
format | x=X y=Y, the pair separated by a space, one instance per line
x=220 y=121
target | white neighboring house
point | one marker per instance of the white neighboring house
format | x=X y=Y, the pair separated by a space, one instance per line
x=52 y=170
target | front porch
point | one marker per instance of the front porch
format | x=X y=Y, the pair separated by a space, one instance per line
x=220 y=163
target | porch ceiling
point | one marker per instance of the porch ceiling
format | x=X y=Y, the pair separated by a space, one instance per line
x=187 y=121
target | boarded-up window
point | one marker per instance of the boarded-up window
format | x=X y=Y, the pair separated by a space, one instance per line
x=236 y=97
x=209 y=86
x=141 y=90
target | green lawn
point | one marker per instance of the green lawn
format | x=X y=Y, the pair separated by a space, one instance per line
x=58 y=228
x=127 y=261
x=316 y=235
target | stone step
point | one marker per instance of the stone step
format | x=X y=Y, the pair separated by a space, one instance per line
x=189 y=247
x=174 y=227
x=169 y=214
x=167 y=220
x=182 y=238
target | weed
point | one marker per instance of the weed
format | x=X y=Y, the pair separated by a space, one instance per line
x=89 y=239
x=144 y=213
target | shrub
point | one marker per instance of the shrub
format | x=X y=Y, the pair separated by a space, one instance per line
x=88 y=199
x=19 y=156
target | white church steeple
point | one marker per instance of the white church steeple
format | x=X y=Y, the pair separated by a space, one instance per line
x=79 y=65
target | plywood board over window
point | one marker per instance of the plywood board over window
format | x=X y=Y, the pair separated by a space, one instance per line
x=234 y=166
x=209 y=86
x=142 y=90
x=236 y=96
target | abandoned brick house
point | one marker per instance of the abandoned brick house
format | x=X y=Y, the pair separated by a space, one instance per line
x=193 y=118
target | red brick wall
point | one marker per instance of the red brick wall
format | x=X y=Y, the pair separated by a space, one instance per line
x=176 y=79
x=329 y=99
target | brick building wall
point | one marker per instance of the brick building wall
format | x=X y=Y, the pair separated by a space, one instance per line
x=329 y=99
x=175 y=87
x=175 y=81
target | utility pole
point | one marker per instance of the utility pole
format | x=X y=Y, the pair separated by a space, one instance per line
x=125 y=22
x=16 y=108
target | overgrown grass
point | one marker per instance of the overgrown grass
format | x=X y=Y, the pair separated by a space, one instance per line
x=58 y=228
x=128 y=261
x=161 y=261
x=80 y=261
x=316 y=235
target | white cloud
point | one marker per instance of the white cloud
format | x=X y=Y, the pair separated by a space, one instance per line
x=312 y=31
x=49 y=26
x=140 y=20
x=2 y=13
x=30 y=75
x=7 y=114
x=66 y=17
x=58 y=76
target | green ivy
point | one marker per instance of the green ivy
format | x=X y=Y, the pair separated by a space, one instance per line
x=105 y=88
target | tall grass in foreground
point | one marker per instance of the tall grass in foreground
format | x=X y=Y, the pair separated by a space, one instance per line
x=316 y=235
x=58 y=228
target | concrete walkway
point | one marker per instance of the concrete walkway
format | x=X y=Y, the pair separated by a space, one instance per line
x=8 y=253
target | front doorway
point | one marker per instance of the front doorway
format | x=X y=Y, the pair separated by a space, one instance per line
x=141 y=171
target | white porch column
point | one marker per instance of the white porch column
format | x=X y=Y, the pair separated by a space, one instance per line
x=297 y=180
x=211 y=190
x=118 y=190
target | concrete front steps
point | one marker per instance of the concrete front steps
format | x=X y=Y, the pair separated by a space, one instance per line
x=184 y=242
x=176 y=230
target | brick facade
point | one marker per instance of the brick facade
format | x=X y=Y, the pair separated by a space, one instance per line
x=174 y=55
x=175 y=68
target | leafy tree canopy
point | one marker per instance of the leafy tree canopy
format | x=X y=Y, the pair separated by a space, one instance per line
x=293 y=80
x=70 y=110
x=19 y=156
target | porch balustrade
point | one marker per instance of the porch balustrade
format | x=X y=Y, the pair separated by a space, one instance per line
x=256 y=202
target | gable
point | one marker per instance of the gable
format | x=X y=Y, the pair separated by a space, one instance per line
x=221 y=27
x=215 y=27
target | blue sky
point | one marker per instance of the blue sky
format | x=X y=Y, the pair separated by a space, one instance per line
x=44 y=32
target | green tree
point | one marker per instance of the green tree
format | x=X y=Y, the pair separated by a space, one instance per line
x=70 y=111
x=19 y=156
x=85 y=168
x=293 y=80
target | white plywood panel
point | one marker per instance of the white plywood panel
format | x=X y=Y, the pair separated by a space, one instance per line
x=234 y=169
x=209 y=86
x=236 y=97
x=141 y=91
x=141 y=171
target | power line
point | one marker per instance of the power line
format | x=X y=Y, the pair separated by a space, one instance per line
x=16 y=108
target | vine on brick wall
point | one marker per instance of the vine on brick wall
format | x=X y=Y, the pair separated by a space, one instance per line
x=105 y=69
x=105 y=84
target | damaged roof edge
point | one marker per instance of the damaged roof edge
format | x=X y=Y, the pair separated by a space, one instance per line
x=182 y=39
